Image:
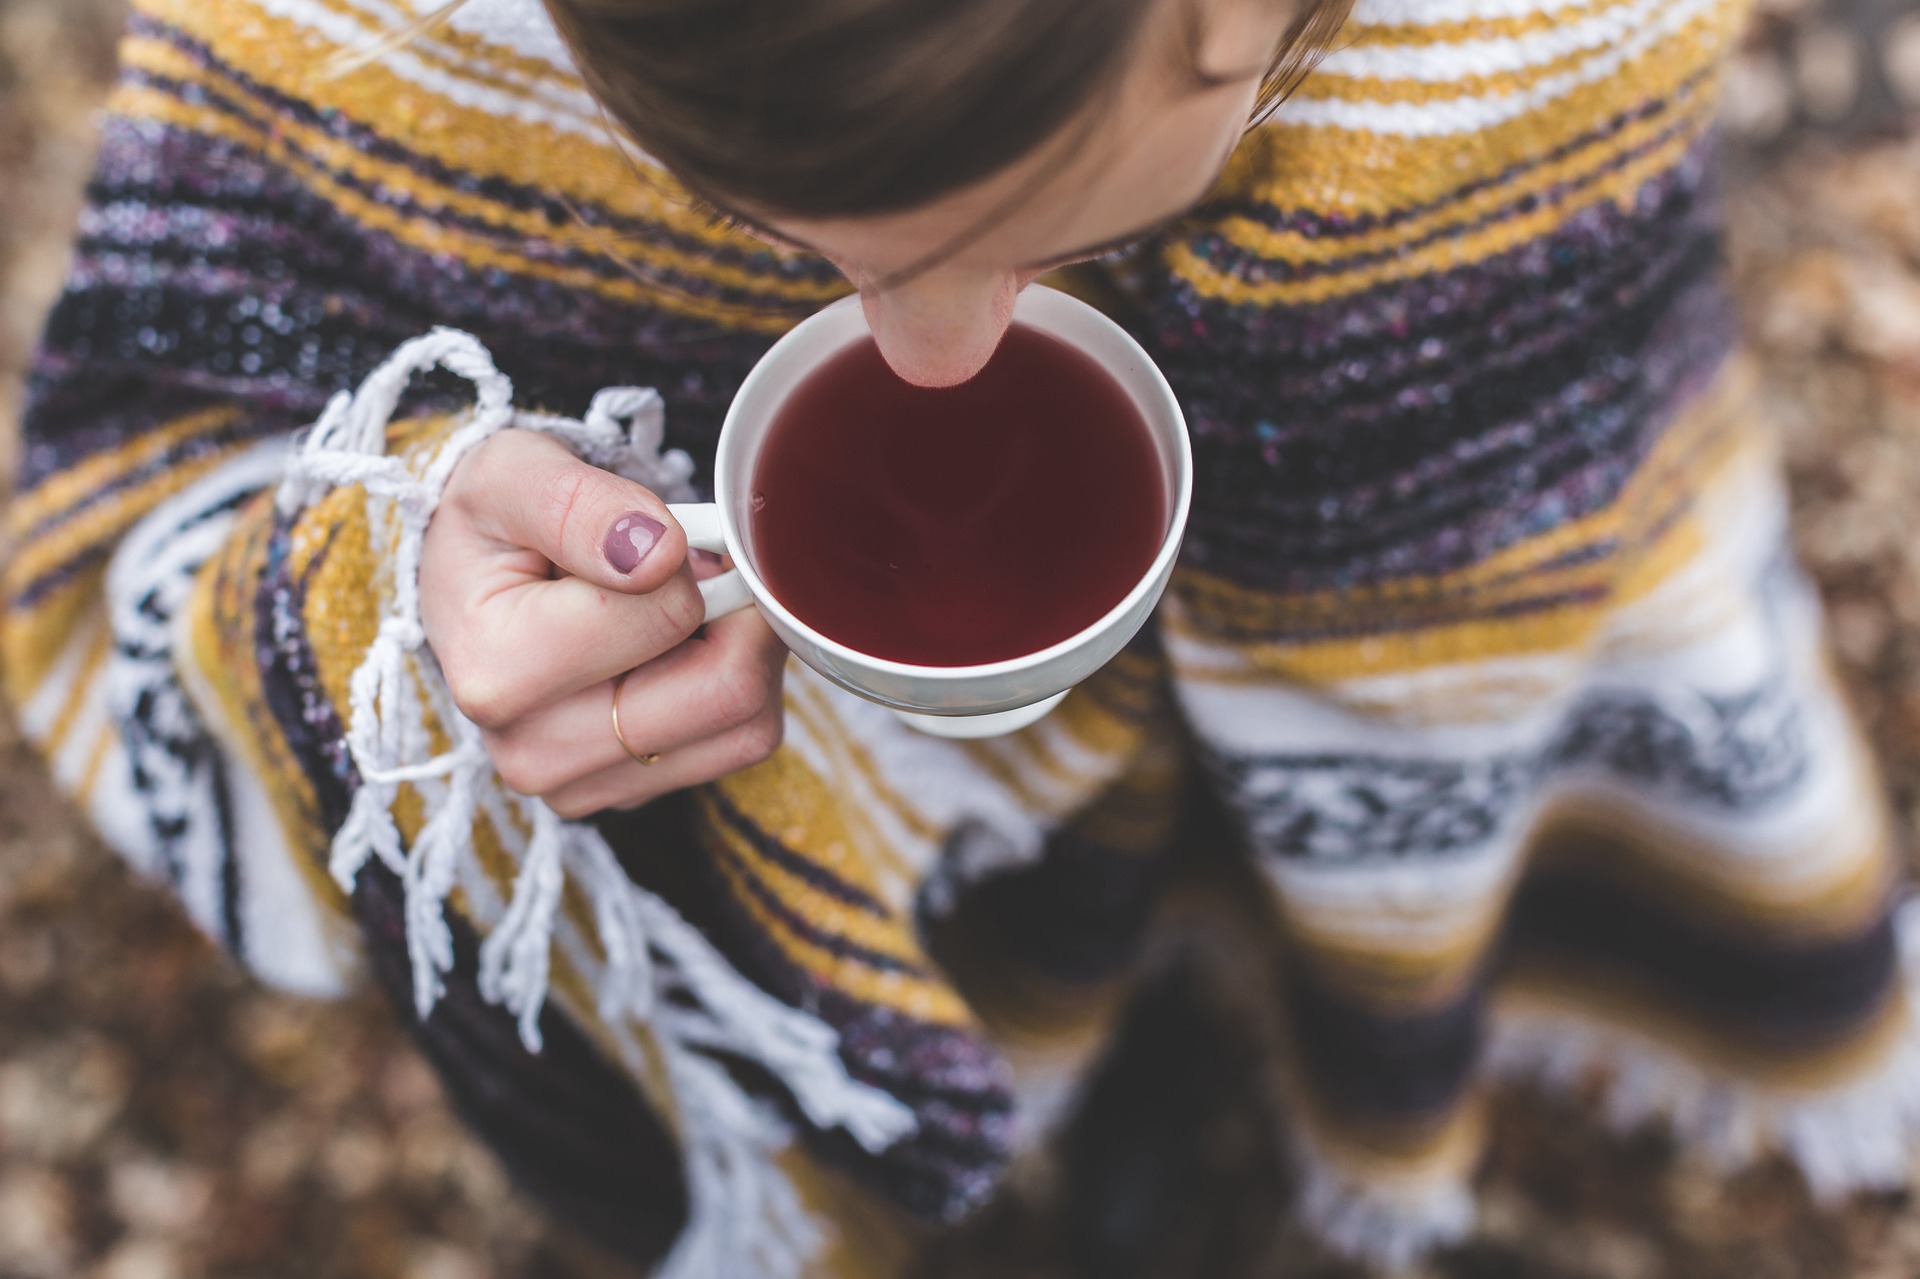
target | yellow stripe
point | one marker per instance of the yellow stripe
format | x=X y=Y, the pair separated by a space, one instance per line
x=1355 y=173
x=1407 y=973
x=869 y=1237
x=1451 y=253
x=1556 y=630
x=991 y=760
x=474 y=250
x=1392 y=1153
x=103 y=742
x=1409 y=980
x=464 y=56
x=1692 y=109
x=1335 y=87
x=64 y=489
x=1681 y=869
x=221 y=623
x=1362 y=35
x=35 y=637
x=1082 y=716
x=1637 y=1013
x=1109 y=738
x=791 y=804
x=1027 y=756
x=1137 y=814
x=881 y=934
x=326 y=155
x=285 y=57
x=342 y=604
x=811 y=702
x=917 y=997
x=1086 y=718
x=98 y=526
x=99 y=646
x=1696 y=447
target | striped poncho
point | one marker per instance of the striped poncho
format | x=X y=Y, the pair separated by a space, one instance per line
x=1484 y=641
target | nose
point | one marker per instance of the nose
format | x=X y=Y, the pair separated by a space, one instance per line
x=941 y=327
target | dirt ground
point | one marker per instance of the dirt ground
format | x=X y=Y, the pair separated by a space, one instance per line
x=161 y=1117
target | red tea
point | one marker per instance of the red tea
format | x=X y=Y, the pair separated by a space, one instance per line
x=960 y=525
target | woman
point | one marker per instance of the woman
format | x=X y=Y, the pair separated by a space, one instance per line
x=1484 y=634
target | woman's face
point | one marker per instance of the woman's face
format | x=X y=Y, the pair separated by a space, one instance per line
x=938 y=281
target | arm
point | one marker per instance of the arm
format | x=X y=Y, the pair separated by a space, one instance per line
x=183 y=645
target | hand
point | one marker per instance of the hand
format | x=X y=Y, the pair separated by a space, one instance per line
x=542 y=579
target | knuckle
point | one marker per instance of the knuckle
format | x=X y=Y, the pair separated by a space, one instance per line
x=523 y=770
x=740 y=692
x=756 y=742
x=576 y=802
x=680 y=608
x=573 y=807
x=480 y=693
x=563 y=490
x=494 y=463
x=514 y=776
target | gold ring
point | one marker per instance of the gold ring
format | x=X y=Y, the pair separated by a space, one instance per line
x=651 y=757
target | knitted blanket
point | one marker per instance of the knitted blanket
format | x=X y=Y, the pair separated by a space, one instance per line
x=1484 y=635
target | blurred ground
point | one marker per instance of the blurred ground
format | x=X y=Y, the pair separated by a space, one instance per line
x=162 y=1118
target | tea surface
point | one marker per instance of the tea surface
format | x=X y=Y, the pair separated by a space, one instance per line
x=961 y=525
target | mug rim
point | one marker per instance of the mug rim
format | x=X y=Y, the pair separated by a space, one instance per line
x=1149 y=580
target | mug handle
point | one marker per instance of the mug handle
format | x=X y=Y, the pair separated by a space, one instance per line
x=728 y=592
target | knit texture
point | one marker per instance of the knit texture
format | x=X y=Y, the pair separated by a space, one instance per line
x=1484 y=633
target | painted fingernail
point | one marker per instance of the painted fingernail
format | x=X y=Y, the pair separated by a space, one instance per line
x=629 y=540
x=705 y=563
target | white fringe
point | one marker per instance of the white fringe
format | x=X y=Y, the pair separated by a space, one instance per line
x=1856 y=1137
x=1861 y=1136
x=1386 y=1224
x=659 y=972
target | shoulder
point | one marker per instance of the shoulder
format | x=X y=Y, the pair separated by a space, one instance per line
x=1416 y=94
x=485 y=103
x=489 y=91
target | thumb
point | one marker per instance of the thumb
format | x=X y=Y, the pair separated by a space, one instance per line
x=528 y=490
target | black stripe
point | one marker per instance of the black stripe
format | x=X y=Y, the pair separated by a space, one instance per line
x=804 y=928
x=1256 y=267
x=1317 y=225
x=514 y=195
x=571 y=1128
x=780 y=855
x=1784 y=999
x=548 y=252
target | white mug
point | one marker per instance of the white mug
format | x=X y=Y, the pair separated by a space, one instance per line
x=946 y=701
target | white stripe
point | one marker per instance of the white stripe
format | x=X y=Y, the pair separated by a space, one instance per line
x=1262 y=718
x=1444 y=63
x=38 y=713
x=1404 y=904
x=1471 y=115
x=1859 y=1134
x=148 y=583
x=71 y=755
x=1433 y=13
x=118 y=812
x=551 y=107
x=935 y=778
x=286 y=936
x=520 y=25
x=1455 y=694
x=822 y=750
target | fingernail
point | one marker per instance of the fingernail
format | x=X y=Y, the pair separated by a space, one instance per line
x=629 y=540
x=705 y=561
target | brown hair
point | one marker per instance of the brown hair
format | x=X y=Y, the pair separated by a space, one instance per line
x=820 y=108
